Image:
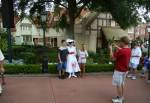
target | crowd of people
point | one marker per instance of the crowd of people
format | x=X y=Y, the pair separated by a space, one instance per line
x=127 y=60
x=71 y=61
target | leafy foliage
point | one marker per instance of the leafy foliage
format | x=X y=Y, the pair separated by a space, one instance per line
x=36 y=68
x=3 y=40
x=123 y=11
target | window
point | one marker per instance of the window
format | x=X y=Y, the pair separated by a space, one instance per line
x=25 y=26
x=108 y=22
x=27 y=38
x=52 y=42
x=131 y=30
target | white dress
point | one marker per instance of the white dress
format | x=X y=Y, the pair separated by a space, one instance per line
x=82 y=56
x=72 y=64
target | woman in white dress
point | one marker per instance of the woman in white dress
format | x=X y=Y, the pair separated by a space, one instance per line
x=82 y=54
x=72 y=64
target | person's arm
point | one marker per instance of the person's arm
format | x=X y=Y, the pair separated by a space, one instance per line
x=116 y=46
x=59 y=58
x=75 y=51
x=86 y=53
x=111 y=53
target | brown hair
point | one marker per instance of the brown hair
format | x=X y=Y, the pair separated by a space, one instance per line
x=125 y=40
x=83 y=48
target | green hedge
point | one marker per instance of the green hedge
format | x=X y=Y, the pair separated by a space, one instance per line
x=36 y=69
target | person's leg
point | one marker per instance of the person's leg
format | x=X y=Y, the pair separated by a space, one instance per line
x=2 y=71
x=130 y=71
x=3 y=79
x=81 y=68
x=143 y=72
x=119 y=95
x=63 y=70
x=134 y=71
x=59 y=73
x=73 y=74
x=0 y=89
x=70 y=74
x=119 y=91
x=119 y=81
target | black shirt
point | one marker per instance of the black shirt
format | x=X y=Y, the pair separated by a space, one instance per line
x=63 y=53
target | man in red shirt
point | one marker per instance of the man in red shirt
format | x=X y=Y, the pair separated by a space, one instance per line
x=122 y=59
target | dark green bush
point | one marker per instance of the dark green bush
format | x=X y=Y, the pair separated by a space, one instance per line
x=36 y=69
x=25 y=69
x=19 y=49
x=101 y=57
x=28 y=57
x=99 y=68
x=33 y=54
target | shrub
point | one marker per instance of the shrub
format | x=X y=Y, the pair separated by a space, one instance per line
x=3 y=40
x=29 y=57
x=36 y=69
x=101 y=57
x=25 y=69
x=17 y=50
x=99 y=68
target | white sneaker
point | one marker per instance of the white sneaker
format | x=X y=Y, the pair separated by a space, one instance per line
x=129 y=76
x=133 y=78
x=74 y=75
x=116 y=100
x=69 y=76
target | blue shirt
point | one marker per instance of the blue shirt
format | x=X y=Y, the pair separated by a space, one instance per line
x=146 y=61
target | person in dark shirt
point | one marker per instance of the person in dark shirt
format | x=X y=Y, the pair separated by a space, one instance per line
x=122 y=59
x=62 y=58
x=145 y=65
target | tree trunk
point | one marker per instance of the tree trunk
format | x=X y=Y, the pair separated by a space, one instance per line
x=70 y=30
x=72 y=9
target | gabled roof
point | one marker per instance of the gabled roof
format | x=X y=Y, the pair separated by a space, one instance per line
x=113 y=33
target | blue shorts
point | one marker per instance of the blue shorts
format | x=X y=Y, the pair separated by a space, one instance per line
x=133 y=66
x=61 y=66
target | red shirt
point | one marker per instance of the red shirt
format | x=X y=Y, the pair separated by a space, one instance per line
x=122 y=57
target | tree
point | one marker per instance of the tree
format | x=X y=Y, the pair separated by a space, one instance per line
x=3 y=39
x=123 y=11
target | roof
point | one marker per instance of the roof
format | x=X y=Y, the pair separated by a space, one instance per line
x=90 y=18
x=113 y=33
x=87 y=18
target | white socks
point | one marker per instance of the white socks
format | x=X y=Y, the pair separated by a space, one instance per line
x=72 y=75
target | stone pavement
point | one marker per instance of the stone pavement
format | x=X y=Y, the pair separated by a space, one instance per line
x=91 y=89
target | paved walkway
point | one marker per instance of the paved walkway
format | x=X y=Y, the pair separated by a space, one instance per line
x=91 y=89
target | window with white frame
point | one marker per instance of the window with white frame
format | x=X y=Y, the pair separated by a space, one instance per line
x=25 y=26
x=27 y=38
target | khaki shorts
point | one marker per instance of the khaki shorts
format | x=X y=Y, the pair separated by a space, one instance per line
x=119 y=78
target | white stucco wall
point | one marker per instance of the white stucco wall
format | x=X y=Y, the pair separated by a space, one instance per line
x=34 y=32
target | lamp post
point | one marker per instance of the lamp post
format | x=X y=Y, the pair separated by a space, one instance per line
x=43 y=19
x=148 y=29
